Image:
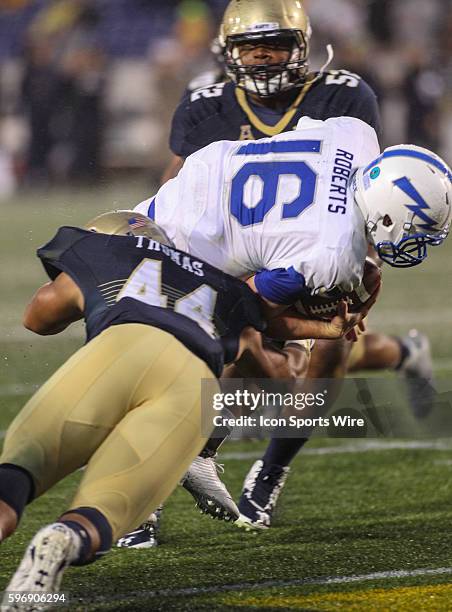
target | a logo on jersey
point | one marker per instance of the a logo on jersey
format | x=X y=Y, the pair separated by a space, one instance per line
x=407 y=187
x=246 y=133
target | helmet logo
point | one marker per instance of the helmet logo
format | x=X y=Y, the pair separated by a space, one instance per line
x=375 y=173
x=136 y=222
x=420 y=205
x=263 y=27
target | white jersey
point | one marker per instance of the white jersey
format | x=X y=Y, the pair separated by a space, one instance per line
x=280 y=202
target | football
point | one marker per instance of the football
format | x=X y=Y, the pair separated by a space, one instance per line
x=324 y=307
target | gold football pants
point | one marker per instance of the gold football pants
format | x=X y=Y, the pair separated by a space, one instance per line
x=128 y=404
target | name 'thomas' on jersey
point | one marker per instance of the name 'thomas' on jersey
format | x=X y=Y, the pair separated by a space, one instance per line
x=276 y=204
x=131 y=279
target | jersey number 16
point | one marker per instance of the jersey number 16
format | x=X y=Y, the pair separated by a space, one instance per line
x=269 y=175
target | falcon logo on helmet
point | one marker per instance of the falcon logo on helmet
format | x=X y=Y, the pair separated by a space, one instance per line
x=407 y=203
x=279 y=23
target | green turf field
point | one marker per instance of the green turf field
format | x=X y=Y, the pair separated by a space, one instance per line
x=359 y=527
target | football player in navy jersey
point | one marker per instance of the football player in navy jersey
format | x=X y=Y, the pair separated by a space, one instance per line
x=269 y=86
x=127 y=404
x=267 y=90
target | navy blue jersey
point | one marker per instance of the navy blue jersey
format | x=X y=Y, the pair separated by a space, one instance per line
x=131 y=279
x=222 y=111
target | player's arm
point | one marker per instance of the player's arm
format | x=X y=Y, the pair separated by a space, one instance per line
x=285 y=323
x=290 y=325
x=54 y=306
x=256 y=359
x=183 y=138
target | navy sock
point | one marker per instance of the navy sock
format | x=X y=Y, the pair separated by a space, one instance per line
x=218 y=436
x=16 y=487
x=281 y=451
x=103 y=528
x=404 y=352
x=84 y=555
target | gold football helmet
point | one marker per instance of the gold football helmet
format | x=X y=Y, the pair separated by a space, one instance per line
x=282 y=23
x=128 y=223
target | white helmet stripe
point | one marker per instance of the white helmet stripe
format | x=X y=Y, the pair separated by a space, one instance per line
x=410 y=153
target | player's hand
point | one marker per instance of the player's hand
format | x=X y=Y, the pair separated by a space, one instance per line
x=344 y=323
x=356 y=332
x=360 y=327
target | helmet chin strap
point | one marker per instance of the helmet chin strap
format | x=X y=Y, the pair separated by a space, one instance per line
x=329 y=59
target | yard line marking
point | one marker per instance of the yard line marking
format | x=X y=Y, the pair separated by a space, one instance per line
x=366 y=446
x=248 y=586
x=356 y=447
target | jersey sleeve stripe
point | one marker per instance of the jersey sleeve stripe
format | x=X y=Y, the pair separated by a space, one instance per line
x=282 y=146
x=151 y=210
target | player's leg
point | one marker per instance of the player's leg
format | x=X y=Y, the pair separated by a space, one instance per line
x=16 y=490
x=375 y=351
x=132 y=471
x=202 y=480
x=58 y=429
x=267 y=476
x=68 y=418
x=62 y=425
x=145 y=456
x=409 y=356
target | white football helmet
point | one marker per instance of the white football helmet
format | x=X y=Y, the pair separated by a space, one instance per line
x=405 y=196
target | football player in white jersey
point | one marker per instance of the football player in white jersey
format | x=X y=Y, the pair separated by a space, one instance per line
x=286 y=208
x=296 y=212
x=277 y=203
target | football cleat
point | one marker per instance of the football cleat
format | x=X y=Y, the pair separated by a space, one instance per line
x=261 y=489
x=52 y=549
x=210 y=493
x=417 y=370
x=146 y=536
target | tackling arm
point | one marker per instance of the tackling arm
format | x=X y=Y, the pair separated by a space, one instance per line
x=54 y=306
x=257 y=359
x=285 y=323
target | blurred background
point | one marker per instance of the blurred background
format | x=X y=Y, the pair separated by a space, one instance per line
x=87 y=92
x=88 y=87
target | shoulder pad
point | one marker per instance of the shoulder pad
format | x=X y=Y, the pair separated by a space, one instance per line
x=52 y=252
